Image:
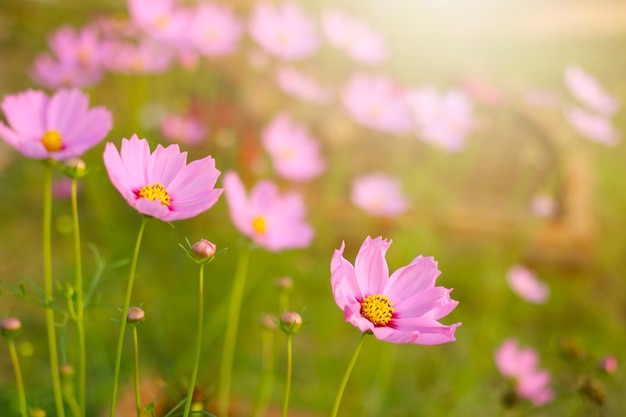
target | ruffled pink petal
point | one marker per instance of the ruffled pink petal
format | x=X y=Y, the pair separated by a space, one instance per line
x=371 y=267
x=135 y=153
x=352 y=314
x=66 y=107
x=9 y=136
x=343 y=280
x=164 y=164
x=118 y=174
x=90 y=129
x=411 y=279
x=194 y=179
x=193 y=208
x=389 y=334
x=431 y=331
x=25 y=113
x=421 y=303
x=153 y=208
x=237 y=202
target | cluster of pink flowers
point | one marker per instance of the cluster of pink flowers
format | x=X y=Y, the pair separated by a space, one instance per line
x=520 y=365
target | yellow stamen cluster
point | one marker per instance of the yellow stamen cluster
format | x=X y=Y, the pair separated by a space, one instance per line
x=258 y=224
x=52 y=141
x=377 y=309
x=154 y=191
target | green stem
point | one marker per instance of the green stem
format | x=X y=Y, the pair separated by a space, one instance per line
x=194 y=372
x=47 y=284
x=267 y=378
x=18 y=377
x=346 y=376
x=230 y=339
x=80 y=304
x=120 y=341
x=137 y=393
x=288 y=382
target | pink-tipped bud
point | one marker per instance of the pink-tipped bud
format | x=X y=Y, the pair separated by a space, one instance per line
x=203 y=249
x=136 y=315
x=608 y=364
x=284 y=283
x=10 y=326
x=291 y=320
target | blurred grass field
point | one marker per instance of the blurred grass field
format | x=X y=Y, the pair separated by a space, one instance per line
x=469 y=210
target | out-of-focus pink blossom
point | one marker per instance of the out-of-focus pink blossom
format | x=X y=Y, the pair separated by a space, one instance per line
x=520 y=365
x=402 y=308
x=215 y=30
x=608 y=364
x=354 y=37
x=62 y=188
x=284 y=30
x=303 y=86
x=184 y=129
x=444 y=119
x=58 y=127
x=595 y=127
x=78 y=58
x=377 y=102
x=525 y=284
x=543 y=205
x=379 y=195
x=161 y=184
x=271 y=220
x=145 y=57
x=588 y=91
x=295 y=153
x=162 y=20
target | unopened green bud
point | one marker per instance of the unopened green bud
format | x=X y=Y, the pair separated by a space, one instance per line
x=290 y=321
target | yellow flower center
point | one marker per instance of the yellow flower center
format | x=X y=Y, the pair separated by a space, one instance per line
x=258 y=224
x=52 y=141
x=377 y=309
x=154 y=191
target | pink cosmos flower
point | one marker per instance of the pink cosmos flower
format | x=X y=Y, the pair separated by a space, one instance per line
x=595 y=127
x=146 y=57
x=58 y=127
x=273 y=221
x=214 y=29
x=185 y=129
x=401 y=308
x=161 y=184
x=284 y=31
x=162 y=20
x=377 y=102
x=303 y=86
x=443 y=119
x=521 y=365
x=379 y=195
x=353 y=37
x=608 y=364
x=295 y=153
x=77 y=61
x=588 y=91
x=525 y=284
x=543 y=205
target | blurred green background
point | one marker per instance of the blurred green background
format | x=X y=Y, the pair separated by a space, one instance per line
x=470 y=210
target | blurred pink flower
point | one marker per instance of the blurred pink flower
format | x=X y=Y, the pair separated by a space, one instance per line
x=77 y=61
x=401 y=308
x=354 y=37
x=161 y=184
x=146 y=57
x=62 y=188
x=543 y=205
x=58 y=127
x=184 y=129
x=608 y=364
x=588 y=91
x=273 y=221
x=444 y=119
x=521 y=365
x=595 y=127
x=524 y=283
x=377 y=102
x=284 y=30
x=215 y=30
x=162 y=20
x=295 y=154
x=379 y=195
x=302 y=85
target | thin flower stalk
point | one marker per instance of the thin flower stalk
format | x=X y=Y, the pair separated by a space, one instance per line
x=120 y=342
x=194 y=372
x=230 y=338
x=346 y=376
x=18 y=377
x=267 y=377
x=137 y=393
x=47 y=274
x=289 y=371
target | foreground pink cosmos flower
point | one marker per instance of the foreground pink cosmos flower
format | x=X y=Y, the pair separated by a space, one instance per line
x=401 y=308
x=273 y=221
x=521 y=365
x=161 y=184
x=379 y=195
x=58 y=127
x=353 y=37
x=295 y=153
x=525 y=284
x=589 y=92
x=284 y=31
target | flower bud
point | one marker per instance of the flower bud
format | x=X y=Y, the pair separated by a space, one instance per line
x=291 y=321
x=203 y=249
x=75 y=168
x=285 y=283
x=608 y=364
x=10 y=326
x=66 y=370
x=135 y=315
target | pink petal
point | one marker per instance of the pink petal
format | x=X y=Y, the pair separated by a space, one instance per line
x=371 y=267
x=413 y=278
